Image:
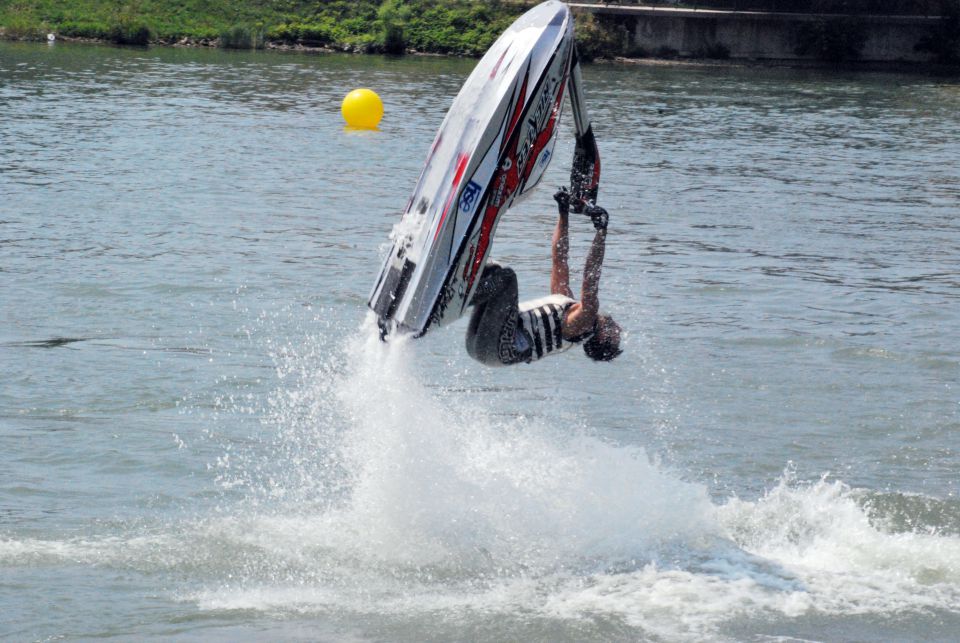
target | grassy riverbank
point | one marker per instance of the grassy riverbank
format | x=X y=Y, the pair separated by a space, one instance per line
x=453 y=26
x=460 y=27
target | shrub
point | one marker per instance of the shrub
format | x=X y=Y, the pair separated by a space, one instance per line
x=598 y=37
x=314 y=35
x=83 y=30
x=128 y=31
x=393 y=16
x=283 y=33
x=242 y=37
x=362 y=43
x=20 y=27
x=393 y=40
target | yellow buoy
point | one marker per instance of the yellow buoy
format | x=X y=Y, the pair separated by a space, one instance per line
x=362 y=108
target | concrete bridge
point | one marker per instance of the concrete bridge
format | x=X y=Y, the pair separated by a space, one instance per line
x=756 y=35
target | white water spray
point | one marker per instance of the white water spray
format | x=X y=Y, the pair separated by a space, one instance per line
x=429 y=480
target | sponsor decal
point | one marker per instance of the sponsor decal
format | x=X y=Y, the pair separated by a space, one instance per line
x=469 y=197
x=536 y=122
x=497 y=199
x=545 y=157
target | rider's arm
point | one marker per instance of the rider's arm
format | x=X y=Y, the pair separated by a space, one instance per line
x=582 y=315
x=560 y=274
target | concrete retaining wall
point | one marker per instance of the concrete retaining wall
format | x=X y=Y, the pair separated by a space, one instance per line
x=756 y=35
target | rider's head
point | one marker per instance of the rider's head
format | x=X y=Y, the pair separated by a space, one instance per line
x=605 y=343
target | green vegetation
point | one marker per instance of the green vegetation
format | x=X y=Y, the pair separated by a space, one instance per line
x=393 y=26
x=394 y=15
x=460 y=27
x=600 y=35
x=242 y=37
x=129 y=30
x=20 y=27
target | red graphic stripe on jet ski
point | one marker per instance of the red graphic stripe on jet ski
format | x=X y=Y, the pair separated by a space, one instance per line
x=461 y=167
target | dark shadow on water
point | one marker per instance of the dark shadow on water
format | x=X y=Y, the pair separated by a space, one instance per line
x=53 y=342
x=56 y=342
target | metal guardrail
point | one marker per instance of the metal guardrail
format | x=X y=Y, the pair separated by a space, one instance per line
x=922 y=8
x=676 y=10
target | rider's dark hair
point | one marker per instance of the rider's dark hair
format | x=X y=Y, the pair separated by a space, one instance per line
x=603 y=350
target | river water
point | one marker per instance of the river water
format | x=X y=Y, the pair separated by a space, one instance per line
x=201 y=439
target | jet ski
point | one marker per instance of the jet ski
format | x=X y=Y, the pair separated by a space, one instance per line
x=493 y=147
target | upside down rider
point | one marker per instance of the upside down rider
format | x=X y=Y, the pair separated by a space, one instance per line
x=503 y=331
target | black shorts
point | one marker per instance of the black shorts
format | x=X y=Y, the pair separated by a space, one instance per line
x=494 y=336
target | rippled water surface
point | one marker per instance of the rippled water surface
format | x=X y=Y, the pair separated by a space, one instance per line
x=201 y=439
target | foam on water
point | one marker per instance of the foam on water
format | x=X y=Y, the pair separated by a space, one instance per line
x=439 y=482
x=372 y=494
x=436 y=503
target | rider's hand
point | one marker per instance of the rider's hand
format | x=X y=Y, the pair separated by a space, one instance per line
x=598 y=215
x=562 y=197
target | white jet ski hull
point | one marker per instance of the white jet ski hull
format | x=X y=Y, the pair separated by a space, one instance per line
x=493 y=146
